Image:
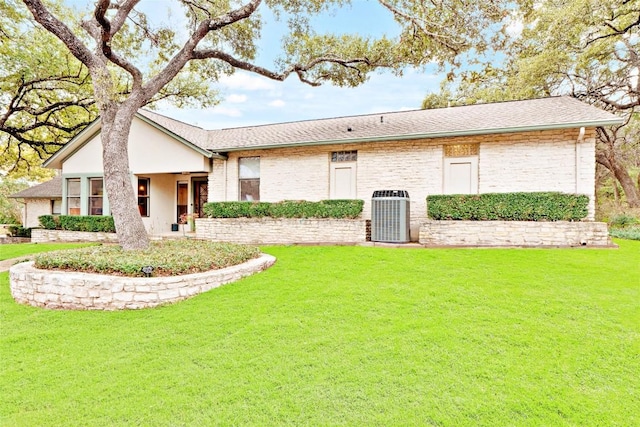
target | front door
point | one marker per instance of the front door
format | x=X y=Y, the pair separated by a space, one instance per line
x=200 y=195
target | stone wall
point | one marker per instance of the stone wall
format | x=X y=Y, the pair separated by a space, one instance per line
x=39 y=235
x=281 y=230
x=84 y=291
x=514 y=233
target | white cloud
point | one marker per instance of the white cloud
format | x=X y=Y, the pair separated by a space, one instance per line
x=235 y=98
x=244 y=81
x=277 y=103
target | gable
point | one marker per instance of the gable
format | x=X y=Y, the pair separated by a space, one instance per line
x=151 y=150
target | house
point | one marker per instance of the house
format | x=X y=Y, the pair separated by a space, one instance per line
x=41 y=199
x=533 y=145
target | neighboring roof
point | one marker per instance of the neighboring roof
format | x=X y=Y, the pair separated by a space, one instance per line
x=501 y=117
x=51 y=189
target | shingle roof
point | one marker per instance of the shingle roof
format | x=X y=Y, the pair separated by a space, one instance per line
x=512 y=116
x=51 y=189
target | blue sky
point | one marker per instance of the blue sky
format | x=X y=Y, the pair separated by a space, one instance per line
x=250 y=99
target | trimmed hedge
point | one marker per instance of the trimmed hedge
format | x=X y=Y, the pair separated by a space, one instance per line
x=285 y=209
x=542 y=206
x=94 y=223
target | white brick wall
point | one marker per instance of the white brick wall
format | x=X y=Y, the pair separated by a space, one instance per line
x=532 y=161
x=35 y=208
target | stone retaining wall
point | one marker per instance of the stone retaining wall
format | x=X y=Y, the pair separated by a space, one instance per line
x=514 y=233
x=40 y=235
x=83 y=291
x=282 y=230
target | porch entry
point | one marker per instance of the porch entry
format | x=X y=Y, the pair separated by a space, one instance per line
x=200 y=195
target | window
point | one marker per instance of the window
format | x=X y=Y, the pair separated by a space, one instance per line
x=143 y=196
x=56 y=207
x=73 y=196
x=249 y=174
x=344 y=156
x=342 y=179
x=461 y=168
x=96 y=190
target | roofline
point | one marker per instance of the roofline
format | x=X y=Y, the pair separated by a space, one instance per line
x=68 y=145
x=90 y=128
x=432 y=135
x=204 y=152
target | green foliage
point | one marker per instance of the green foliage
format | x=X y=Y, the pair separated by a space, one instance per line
x=17 y=250
x=508 y=207
x=285 y=209
x=168 y=258
x=623 y=220
x=630 y=232
x=19 y=231
x=93 y=223
x=10 y=208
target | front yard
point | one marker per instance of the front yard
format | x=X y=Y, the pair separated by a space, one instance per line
x=348 y=336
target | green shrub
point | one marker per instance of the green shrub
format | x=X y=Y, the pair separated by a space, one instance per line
x=168 y=258
x=543 y=206
x=623 y=220
x=94 y=223
x=19 y=231
x=285 y=209
x=49 y=222
x=630 y=233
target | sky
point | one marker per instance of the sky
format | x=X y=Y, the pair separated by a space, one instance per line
x=250 y=99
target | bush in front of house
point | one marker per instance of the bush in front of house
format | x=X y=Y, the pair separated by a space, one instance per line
x=19 y=231
x=285 y=209
x=540 y=206
x=93 y=223
x=168 y=258
x=625 y=226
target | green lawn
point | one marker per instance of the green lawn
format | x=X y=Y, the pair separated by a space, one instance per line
x=348 y=336
x=19 y=250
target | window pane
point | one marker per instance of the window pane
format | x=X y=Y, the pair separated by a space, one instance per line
x=73 y=196
x=96 y=186
x=249 y=190
x=143 y=196
x=73 y=187
x=249 y=167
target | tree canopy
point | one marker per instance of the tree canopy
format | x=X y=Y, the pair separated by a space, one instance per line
x=587 y=49
x=132 y=60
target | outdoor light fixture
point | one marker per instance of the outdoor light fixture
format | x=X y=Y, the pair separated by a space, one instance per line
x=147 y=270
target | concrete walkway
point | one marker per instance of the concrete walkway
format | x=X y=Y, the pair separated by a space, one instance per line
x=7 y=263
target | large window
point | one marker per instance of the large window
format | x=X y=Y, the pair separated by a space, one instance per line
x=249 y=175
x=143 y=196
x=96 y=191
x=73 y=196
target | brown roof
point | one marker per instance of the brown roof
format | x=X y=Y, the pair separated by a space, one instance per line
x=193 y=134
x=512 y=116
x=51 y=189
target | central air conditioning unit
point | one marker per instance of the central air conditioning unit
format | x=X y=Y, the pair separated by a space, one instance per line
x=390 y=216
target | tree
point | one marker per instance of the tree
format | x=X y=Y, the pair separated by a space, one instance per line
x=45 y=94
x=10 y=208
x=587 y=49
x=222 y=37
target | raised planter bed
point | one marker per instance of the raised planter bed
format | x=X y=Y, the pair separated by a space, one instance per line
x=514 y=233
x=84 y=291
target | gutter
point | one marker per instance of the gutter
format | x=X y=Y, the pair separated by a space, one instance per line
x=428 y=135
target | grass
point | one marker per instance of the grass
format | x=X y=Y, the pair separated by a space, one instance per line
x=347 y=336
x=18 y=250
x=168 y=258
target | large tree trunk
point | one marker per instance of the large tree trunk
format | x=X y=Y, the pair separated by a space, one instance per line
x=632 y=193
x=116 y=124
